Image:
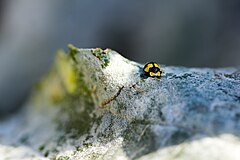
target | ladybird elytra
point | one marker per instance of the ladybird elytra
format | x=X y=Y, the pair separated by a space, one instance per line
x=152 y=69
x=148 y=66
x=156 y=65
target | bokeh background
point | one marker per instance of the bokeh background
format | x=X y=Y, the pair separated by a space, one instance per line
x=194 y=33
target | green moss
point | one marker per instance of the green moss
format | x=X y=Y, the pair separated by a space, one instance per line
x=178 y=137
x=24 y=139
x=67 y=71
x=138 y=136
x=63 y=158
x=102 y=55
x=71 y=77
x=82 y=88
x=94 y=156
x=78 y=105
x=79 y=115
x=41 y=148
x=72 y=51
x=65 y=87
x=46 y=153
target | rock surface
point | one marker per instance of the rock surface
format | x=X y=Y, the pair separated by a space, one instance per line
x=95 y=104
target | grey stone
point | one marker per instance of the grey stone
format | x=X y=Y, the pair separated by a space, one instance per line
x=95 y=104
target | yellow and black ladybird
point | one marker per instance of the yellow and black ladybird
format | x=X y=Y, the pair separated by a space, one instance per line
x=152 y=69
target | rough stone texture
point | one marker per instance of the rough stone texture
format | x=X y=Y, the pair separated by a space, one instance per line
x=95 y=104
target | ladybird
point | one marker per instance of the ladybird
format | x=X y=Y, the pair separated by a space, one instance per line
x=152 y=69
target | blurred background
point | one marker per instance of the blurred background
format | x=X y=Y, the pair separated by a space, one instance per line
x=199 y=33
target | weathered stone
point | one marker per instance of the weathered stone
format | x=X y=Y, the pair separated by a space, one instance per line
x=95 y=104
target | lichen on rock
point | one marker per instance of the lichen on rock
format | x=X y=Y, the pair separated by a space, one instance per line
x=94 y=104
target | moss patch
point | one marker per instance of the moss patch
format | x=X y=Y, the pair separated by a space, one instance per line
x=67 y=71
x=78 y=104
x=102 y=55
x=72 y=51
x=63 y=158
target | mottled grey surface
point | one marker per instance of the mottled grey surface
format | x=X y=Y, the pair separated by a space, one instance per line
x=113 y=113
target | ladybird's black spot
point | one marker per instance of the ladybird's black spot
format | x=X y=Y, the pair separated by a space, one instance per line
x=154 y=69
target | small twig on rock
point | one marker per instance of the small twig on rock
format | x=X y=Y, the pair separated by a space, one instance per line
x=104 y=103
